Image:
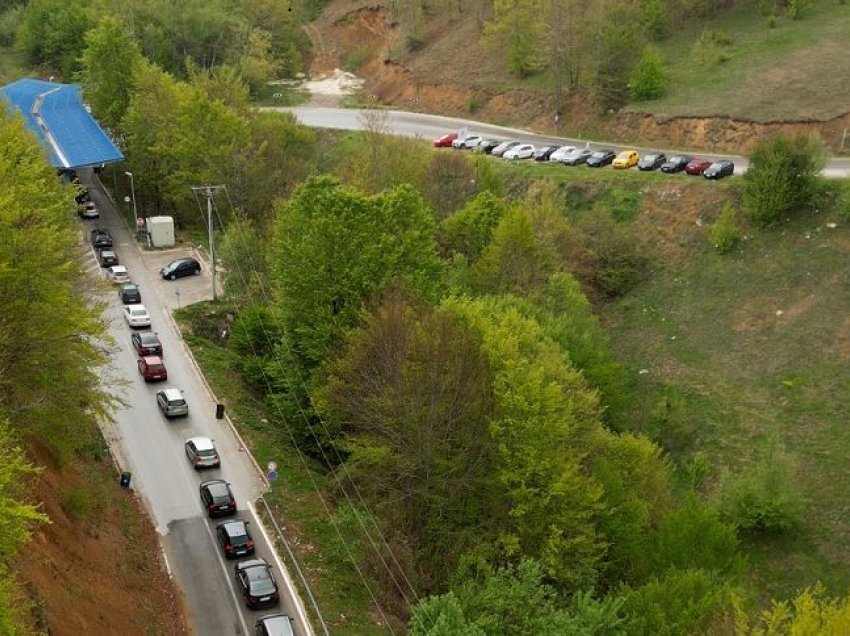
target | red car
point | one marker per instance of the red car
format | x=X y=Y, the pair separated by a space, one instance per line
x=445 y=141
x=152 y=368
x=697 y=166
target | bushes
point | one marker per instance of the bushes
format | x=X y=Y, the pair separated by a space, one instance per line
x=782 y=178
x=724 y=234
x=649 y=81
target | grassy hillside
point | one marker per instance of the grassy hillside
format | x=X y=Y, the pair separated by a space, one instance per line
x=748 y=347
x=739 y=66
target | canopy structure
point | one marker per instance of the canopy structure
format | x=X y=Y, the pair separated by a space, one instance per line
x=56 y=113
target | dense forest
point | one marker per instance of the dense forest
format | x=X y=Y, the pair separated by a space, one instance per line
x=420 y=325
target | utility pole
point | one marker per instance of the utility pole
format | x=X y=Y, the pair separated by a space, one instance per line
x=208 y=193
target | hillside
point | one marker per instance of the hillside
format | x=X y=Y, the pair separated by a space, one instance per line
x=792 y=70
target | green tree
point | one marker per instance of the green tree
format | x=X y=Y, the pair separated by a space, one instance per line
x=108 y=64
x=811 y=612
x=412 y=393
x=782 y=178
x=335 y=247
x=516 y=30
x=52 y=33
x=649 y=81
x=258 y=64
x=616 y=33
x=470 y=230
x=725 y=233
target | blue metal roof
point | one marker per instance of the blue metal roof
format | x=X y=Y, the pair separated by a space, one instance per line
x=56 y=113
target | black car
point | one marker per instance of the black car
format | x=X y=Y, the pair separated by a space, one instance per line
x=486 y=145
x=652 y=161
x=180 y=267
x=234 y=538
x=107 y=257
x=577 y=157
x=256 y=581
x=217 y=498
x=600 y=158
x=275 y=625
x=543 y=154
x=82 y=197
x=130 y=294
x=101 y=238
x=719 y=169
x=676 y=163
x=146 y=343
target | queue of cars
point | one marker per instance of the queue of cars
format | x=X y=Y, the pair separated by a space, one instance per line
x=253 y=576
x=573 y=156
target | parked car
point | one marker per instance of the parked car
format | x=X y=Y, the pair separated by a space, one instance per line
x=82 y=197
x=562 y=153
x=445 y=141
x=719 y=169
x=257 y=584
x=457 y=142
x=486 y=145
x=107 y=257
x=217 y=498
x=697 y=166
x=117 y=274
x=146 y=343
x=88 y=210
x=274 y=625
x=202 y=454
x=172 y=403
x=522 y=151
x=234 y=538
x=676 y=163
x=600 y=158
x=577 y=157
x=503 y=147
x=543 y=154
x=101 y=238
x=625 y=160
x=130 y=294
x=652 y=161
x=472 y=141
x=152 y=368
x=137 y=316
x=180 y=267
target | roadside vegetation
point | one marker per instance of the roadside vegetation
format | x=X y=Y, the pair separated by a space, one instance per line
x=559 y=401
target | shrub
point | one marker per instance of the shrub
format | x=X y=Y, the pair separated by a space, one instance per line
x=252 y=339
x=356 y=58
x=724 y=234
x=78 y=503
x=782 y=177
x=649 y=81
x=618 y=262
x=763 y=497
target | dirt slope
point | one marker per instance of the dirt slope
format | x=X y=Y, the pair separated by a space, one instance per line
x=96 y=569
x=451 y=73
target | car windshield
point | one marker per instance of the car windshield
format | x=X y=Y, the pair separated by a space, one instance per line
x=156 y=367
x=677 y=159
x=178 y=402
x=206 y=452
x=650 y=157
x=598 y=155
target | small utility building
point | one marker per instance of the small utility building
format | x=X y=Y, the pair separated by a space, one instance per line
x=56 y=113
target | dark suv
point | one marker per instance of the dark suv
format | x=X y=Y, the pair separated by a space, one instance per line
x=107 y=257
x=234 y=538
x=129 y=294
x=101 y=238
x=217 y=498
x=180 y=267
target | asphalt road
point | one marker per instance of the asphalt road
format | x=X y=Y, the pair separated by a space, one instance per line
x=432 y=126
x=149 y=446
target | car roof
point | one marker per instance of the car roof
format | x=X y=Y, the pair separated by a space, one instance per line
x=235 y=527
x=152 y=359
x=136 y=306
x=277 y=624
x=129 y=284
x=118 y=268
x=201 y=443
x=147 y=335
x=215 y=484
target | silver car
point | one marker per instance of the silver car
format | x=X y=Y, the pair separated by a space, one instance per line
x=202 y=453
x=172 y=403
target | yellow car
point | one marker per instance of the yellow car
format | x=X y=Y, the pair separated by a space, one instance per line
x=626 y=159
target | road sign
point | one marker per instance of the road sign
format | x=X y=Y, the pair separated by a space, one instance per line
x=271 y=467
x=272 y=475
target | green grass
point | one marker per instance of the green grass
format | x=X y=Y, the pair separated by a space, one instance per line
x=795 y=71
x=710 y=336
x=296 y=495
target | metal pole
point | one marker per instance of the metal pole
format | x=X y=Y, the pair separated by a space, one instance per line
x=212 y=247
x=133 y=196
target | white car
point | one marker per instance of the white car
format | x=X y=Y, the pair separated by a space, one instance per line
x=561 y=153
x=137 y=316
x=117 y=274
x=503 y=147
x=523 y=151
x=472 y=141
x=460 y=142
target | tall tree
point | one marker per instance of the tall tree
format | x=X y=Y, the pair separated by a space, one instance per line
x=108 y=66
x=516 y=30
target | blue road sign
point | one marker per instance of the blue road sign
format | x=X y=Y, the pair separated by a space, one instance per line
x=272 y=475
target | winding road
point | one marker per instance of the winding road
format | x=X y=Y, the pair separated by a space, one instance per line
x=432 y=126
